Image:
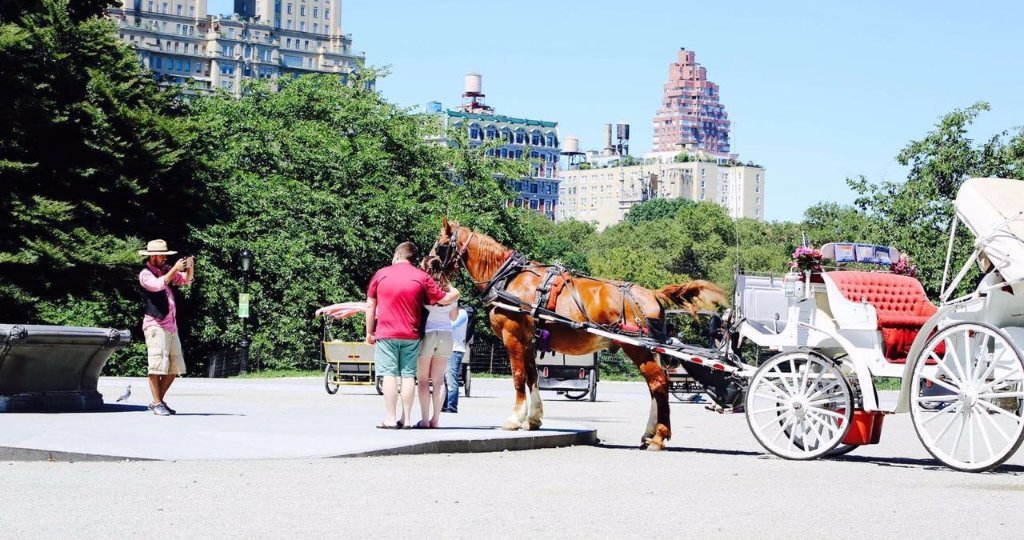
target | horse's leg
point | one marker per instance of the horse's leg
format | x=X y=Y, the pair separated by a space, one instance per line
x=536 y=406
x=517 y=351
x=659 y=428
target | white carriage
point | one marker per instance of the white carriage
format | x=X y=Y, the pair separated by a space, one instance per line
x=960 y=365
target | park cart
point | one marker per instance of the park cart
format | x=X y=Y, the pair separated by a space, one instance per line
x=959 y=365
x=352 y=362
x=574 y=376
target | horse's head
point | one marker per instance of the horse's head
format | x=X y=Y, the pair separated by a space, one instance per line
x=449 y=246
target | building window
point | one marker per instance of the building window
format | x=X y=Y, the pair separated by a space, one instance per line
x=302 y=11
x=327 y=14
x=520 y=137
x=551 y=140
x=315 y=28
x=302 y=26
x=315 y=12
x=163 y=8
x=289 y=10
x=178 y=10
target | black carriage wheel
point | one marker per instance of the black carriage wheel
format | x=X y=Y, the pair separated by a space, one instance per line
x=380 y=385
x=679 y=394
x=331 y=379
x=468 y=380
x=593 y=384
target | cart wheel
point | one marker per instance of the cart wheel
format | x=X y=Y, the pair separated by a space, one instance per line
x=680 y=395
x=979 y=422
x=799 y=405
x=380 y=385
x=593 y=384
x=331 y=379
x=467 y=381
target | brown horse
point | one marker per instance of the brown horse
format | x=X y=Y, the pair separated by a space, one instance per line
x=610 y=304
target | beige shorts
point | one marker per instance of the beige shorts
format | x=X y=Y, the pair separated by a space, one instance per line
x=436 y=344
x=164 y=349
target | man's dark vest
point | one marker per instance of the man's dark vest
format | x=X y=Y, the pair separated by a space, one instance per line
x=155 y=304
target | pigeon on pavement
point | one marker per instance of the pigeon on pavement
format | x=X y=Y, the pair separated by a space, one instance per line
x=127 y=393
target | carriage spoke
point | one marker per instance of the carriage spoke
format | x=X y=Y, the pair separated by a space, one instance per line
x=942 y=399
x=827 y=412
x=825 y=422
x=988 y=417
x=824 y=389
x=782 y=427
x=983 y=339
x=1001 y=395
x=941 y=363
x=803 y=382
x=963 y=414
x=939 y=414
x=953 y=414
x=977 y=410
x=999 y=410
x=771 y=409
x=782 y=378
x=1000 y=380
x=814 y=383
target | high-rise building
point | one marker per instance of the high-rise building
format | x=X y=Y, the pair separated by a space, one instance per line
x=181 y=43
x=603 y=195
x=691 y=119
x=517 y=138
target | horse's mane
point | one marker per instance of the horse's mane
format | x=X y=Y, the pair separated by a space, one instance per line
x=490 y=252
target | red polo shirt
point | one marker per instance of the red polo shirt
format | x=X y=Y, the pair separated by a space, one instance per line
x=401 y=291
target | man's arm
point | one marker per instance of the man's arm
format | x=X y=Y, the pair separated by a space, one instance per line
x=371 y=320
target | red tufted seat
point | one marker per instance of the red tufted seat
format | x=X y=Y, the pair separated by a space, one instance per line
x=900 y=304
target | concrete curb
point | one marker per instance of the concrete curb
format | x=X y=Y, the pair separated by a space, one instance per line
x=10 y=453
x=469 y=446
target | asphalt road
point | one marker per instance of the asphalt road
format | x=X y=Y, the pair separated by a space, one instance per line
x=712 y=481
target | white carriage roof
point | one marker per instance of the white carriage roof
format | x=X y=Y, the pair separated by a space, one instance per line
x=993 y=209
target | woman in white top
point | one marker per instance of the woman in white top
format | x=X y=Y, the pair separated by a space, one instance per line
x=435 y=348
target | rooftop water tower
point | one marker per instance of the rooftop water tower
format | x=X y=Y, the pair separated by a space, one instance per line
x=571 y=150
x=473 y=95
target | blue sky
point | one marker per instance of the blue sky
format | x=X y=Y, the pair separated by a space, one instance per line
x=817 y=90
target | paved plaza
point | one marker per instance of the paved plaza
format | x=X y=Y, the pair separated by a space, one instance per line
x=713 y=480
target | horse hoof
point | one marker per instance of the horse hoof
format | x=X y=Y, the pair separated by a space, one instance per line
x=533 y=426
x=652 y=445
x=509 y=425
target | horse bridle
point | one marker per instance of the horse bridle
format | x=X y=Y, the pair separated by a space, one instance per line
x=451 y=253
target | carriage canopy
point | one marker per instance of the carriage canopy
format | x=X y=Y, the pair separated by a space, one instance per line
x=993 y=209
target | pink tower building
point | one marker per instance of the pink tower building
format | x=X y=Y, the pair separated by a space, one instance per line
x=691 y=118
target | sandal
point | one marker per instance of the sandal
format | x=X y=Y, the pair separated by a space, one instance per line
x=382 y=425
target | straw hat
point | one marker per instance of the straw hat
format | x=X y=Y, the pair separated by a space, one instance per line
x=156 y=247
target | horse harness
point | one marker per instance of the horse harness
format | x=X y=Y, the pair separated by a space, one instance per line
x=555 y=280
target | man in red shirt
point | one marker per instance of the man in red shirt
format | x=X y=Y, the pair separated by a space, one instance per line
x=395 y=299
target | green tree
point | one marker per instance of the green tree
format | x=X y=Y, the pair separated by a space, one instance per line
x=915 y=215
x=89 y=161
x=654 y=209
x=321 y=180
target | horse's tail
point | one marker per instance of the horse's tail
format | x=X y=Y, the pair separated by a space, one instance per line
x=693 y=295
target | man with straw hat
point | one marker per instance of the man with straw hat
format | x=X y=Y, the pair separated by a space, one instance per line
x=159 y=281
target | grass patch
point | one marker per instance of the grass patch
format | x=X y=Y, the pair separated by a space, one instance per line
x=280 y=373
x=887 y=383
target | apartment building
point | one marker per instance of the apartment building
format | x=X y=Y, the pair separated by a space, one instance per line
x=267 y=39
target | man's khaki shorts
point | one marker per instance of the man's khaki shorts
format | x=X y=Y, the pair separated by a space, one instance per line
x=436 y=344
x=164 y=349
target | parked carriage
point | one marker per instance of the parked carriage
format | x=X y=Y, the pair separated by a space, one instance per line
x=960 y=365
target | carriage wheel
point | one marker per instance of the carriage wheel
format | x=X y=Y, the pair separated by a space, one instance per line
x=467 y=380
x=593 y=384
x=799 y=405
x=380 y=385
x=979 y=422
x=331 y=379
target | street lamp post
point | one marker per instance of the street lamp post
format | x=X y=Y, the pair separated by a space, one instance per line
x=245 y=262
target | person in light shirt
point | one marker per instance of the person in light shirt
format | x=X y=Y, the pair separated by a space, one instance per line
x=159 y=282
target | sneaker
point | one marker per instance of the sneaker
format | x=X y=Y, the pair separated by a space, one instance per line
x=161 y=410
x=152 y=406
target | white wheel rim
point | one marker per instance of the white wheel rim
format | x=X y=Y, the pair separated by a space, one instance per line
x=972 y=418
x=799 y=406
